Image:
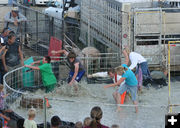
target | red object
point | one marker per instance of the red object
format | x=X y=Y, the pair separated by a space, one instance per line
x=55 y=45
x=47 y=103
x=29 y=0
x=173 y=45
x=124 y=94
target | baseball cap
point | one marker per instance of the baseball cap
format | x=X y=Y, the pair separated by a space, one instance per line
x=15 y=9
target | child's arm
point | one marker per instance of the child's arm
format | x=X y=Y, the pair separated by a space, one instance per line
x=115 y=84
x=5 y=117
x=32 y=67
x=4 y=96
x=36 y=62
x=60 y=52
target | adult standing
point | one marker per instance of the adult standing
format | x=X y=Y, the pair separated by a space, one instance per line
x=12 y=56
x=14 y=19
x=138 y=62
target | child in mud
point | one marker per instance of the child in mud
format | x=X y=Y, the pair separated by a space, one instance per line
x=130 y=84
x=77 y=70
x=3 y=108
x=48 y=77
x=115 y=77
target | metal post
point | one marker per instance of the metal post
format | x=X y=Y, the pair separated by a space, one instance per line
x=63 y=25
x=89 y=16
x=169 y=78
x=45 y=115
x=51 y=27
x=36 y=26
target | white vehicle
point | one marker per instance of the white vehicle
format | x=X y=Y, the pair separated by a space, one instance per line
x=40 y=2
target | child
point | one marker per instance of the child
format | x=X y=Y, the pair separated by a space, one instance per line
x=48 y=77
x=30 y=123
x=138 y=62
x=87 y=122
x=77 y=70
x=3 y=108
x=130 y=84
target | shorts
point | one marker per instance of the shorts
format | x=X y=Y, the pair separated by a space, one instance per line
x=78 y=77
x=130 y=89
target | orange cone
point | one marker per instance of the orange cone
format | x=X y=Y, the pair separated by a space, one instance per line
x=123 y=97
x=47 y=103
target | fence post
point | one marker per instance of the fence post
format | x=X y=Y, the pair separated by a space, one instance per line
x=51 y=28
x=36 y=26
x=45 y=115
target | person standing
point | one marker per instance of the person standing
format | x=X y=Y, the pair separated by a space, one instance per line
x=138 y=62
x=14 y=19
x=13 y=55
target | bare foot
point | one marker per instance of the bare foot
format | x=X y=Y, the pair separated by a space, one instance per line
x=136 y=110
x=118 y=109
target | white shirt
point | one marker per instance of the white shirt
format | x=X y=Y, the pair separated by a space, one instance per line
x=135 y=59
x=30 y=124
x=105 y=74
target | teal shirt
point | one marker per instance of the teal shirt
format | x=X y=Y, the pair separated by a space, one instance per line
x=130 y=77
x=48 y=76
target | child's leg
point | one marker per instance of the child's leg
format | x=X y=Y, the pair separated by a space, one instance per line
x=115 y=95
x=136 y=107
x=133 y=91
x=121 y=90
x=118 y=102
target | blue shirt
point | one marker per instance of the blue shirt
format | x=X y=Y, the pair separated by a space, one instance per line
x=130 y=77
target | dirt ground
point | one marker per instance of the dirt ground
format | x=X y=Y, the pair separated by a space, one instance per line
x=75 y=107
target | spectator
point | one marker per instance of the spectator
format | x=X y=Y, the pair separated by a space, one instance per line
x=3 y=107
x=76 y=68
x=96 y=115
x=2 y=49
x=30 y=123
x=5 y=34
x=48 y=78
x=13 y=20
x=87 y=122
x=78 y=124
x=115 y=126
x=12 y=55
x=55 y=122
x=20 y=123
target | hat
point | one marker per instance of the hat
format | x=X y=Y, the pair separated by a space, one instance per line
x=15 y=9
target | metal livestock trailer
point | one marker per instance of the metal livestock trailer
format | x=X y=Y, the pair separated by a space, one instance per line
x=146 y=27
